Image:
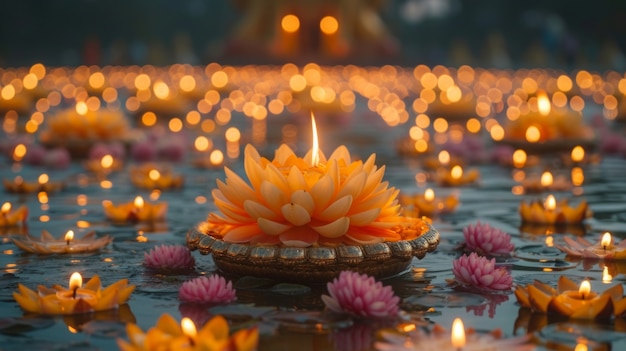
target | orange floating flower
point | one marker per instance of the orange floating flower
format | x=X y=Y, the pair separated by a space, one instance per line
x=104 y=165
x=168 y=334
x=43 y=184
x=135 y=211
x=151 y=176
x=427 y=204
x=48 y=244
x=303 y=201
x=455 y=176
x=12 y=218
x=552 y=212
x=572 y=301
x=57 y=300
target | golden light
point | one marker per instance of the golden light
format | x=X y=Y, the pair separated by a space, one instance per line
x=456 y=172
x=232 y=135
x=161 y=90
x=497 y=132
x=550 y=203
x=585 y=288
x=39 y=70
x=606 y=276
x=149 y=119
x=297 y=82
x=546 y=179
x=96 y=80
x=142 y=82
x=444 y=157
x=187 y=83
x=578 y=153
x=533 y=134
x=19 y=152
x=216 y=157
x=578 y=176
x=6 y=207
x=69 y=236
x=188 y=327
x=30 y=81
x=202 y=143
x=329 y=25
x=76 y=281
x=429 y=194
x=315 y=157
x=154 y=174
x=175 y=125
x=106 y=161
x=7 y=92
x=219 y=79
x=458 y=333
x=43 y=178
x=606 y=240
x=290 y=23
x=519 y=158
x=543 y=104
x=549 y=241
x=106 y=184
x=81 y=108
x=138 y=202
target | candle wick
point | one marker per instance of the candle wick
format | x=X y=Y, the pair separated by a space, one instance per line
x=67 y=242
x=74 y=293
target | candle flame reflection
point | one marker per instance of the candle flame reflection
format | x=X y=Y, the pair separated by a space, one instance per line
x=546 y=179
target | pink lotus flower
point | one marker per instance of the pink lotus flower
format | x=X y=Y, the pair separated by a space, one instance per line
x=169 y=258
x=480 y=272
x=360 y=295
x=207 y=290
x=487 y=240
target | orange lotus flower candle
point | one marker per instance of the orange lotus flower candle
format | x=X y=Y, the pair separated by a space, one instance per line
x=605 y=249
x=137 y=210
x=553 y=212
x=571 y=300
x=306 y=201
x=456 y=176
x=48 y=244
x=10 y=217
x=76 y=299
x=150 y=176
x=21 y=186
x=105 y=165
x=427 y=204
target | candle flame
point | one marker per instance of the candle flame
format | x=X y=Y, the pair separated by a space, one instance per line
x=429 y=194
x=43 y=178
x=533 y=134
x=138 y=202
x=69 y=236
x=458 y=333
x=154 y=174
x=550 y=203
x=444 y=157
x=456 y=172
x=76 y=281
x=549 y=241
x=519 y=158
x=546 y=179
x=19 y=152
x=543 y=104
x=315 y=156
x=6 y=207
x=106 y=161
x=189 y=328
x=606 y=240
x=585 y=288
x=581 y=347
x=606 y=276
x=578 y=153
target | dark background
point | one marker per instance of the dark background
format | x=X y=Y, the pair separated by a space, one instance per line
x=561 y=33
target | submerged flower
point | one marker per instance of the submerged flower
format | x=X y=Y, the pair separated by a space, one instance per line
x=487 y=240
x=479 y=272
x=361 y=295
x=299 y=202
x=169 y=258
x=207 y=290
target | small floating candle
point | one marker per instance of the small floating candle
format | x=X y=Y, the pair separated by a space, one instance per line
x=427 y=204
x=551 y=212
x=456 y=176
x=48 y=244
x=135 y=211
x=12 y=218
x=150 y=176
x=58 y=300
x=545 y=182
x=43 y=184
x=167 y=334
x=570 y=300
x=605 y=249
x=104 y=165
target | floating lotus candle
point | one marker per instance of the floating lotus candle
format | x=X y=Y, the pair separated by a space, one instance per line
x=43 y=184
x=57 y=300
x=104 y=165
x=427 y=204
x=11 y=218
x=48 y=244
x=455 y=176
x=546 y=182
x=570 y=300
x=551 y=212
x=134 y=211
x=150 y=176
x=310 y=202
x=443 y=160
x=605 y=249
x=167 y=334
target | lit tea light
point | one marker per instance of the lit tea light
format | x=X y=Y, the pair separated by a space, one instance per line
x=578 y=154
x=551 y=212
x=43 y=184
x=135 y=211
x=104 y=165
x=533 y=134
x=10 y=217
x=443 y=160
x=76 y=299
x=456 y=176
x=570 y=300
x=147 y=176
x=66 y=244
x=427 y=204
x=546 y=181
x=605 y=249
